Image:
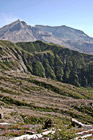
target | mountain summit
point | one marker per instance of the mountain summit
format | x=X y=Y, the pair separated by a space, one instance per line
x=19 y=31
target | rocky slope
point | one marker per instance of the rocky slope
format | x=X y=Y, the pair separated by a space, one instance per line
x=37 y=96
x=26 y=100
x=10 y=58
x=19 y=31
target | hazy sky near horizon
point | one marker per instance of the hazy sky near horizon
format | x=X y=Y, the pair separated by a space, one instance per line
x=74 y=13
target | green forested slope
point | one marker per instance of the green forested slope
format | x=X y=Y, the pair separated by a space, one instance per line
x=49 y=61
x=58 y=63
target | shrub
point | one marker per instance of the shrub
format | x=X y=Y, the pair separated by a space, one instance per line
x=62 y=133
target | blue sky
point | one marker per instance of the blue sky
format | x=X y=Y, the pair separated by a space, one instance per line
x=74 y=13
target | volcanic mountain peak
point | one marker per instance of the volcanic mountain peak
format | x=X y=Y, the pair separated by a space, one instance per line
x=19 y=31
x=18 y=25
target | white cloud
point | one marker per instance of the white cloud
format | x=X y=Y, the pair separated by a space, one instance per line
x=6 y=19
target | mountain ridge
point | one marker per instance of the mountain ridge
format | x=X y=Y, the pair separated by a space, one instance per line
x=69 y=37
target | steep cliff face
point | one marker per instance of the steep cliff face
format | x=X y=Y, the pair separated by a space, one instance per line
x=10 y=57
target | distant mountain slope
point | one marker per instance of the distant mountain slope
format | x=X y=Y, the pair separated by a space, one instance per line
x=64 y=32
x=19 y=31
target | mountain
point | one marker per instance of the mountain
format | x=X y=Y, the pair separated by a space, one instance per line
x=66 y=33
x=47 y=60
x=19 y=31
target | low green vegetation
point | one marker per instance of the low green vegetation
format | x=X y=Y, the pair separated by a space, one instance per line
x=8 y=91
x=85 y=109
x=75 y=94
x=83 y=118
x=33 y=119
